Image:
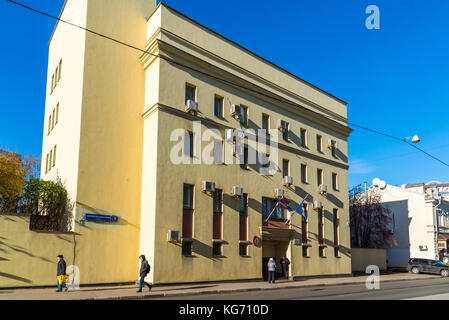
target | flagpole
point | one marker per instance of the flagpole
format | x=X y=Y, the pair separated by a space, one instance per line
x=275 y=207
x=271 y=214
x=286 y=222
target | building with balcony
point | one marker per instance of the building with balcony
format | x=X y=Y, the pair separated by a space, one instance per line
x=131 y=134
x=420 y=221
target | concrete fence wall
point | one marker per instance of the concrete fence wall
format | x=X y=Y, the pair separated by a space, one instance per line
x=101 y=254
x=361 y=258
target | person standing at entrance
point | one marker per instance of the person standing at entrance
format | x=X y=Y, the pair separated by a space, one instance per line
x=285 y=263
x=60 y=273
x=144 y=270
x=271 y=271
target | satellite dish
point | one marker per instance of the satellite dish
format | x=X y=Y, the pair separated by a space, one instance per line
x=382 y=185
x=376 y=182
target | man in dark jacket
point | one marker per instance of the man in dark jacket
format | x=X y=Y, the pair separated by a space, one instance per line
x=144 y=270
x=61 y=272
x=285 y=263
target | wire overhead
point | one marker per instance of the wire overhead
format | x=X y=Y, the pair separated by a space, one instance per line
x=280 y=99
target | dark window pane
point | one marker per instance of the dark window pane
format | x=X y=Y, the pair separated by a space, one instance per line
x=190 y=93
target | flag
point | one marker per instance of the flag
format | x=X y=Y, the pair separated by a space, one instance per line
x=301 y=210
x=284 y=203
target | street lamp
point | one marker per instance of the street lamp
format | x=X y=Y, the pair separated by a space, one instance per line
x=415 y=139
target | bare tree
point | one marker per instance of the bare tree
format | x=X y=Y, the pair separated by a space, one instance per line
x=370 y=221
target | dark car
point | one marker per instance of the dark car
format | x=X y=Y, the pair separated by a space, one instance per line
x=416 y=266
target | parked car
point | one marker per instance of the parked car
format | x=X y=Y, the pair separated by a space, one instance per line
x=416 y=266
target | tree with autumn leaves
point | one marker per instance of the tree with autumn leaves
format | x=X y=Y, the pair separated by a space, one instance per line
x=21 y=191
x=370 y=221
x=15 y=171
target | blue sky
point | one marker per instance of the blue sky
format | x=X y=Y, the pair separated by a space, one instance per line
x=395 y=79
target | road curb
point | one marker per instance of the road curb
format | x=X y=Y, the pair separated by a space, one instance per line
x=225 y=291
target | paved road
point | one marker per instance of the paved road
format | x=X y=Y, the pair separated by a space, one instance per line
x=433 y=289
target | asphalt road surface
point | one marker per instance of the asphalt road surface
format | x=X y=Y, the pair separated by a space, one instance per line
x=433 y=289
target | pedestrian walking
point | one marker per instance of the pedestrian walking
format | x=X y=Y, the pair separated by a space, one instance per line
x=61 y=274
x=271 y=271
x=285 y=262
x=144 y=271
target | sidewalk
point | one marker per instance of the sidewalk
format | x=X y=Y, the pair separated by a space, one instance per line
x=129 y=291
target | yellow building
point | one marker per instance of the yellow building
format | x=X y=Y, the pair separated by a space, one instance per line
x=113 y=118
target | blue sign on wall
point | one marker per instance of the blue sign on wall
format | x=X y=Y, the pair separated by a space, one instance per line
x=99 y=217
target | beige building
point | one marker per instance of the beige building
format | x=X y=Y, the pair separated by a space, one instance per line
x=113 y=118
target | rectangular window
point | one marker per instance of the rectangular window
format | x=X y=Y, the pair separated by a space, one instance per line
x=187 y=213
x=319 y=177
x=60 y=66
x=189 y=147
x=57 y=114
x=218 y=152
x=268 y=205
x=305 y=251
x=190 y=92
x=218 y=107
x=188 y=197
x=320 y=227
x=285 y=133
x=336 y=232
x=304 y=228
x=53 y=120
x=52 y=83
x=303 y=138
x=217 y=214
x=216 y=249
x=285 y=168
x=303 y=173
x=322 y=251
x=335 y=181
x=243 y=206
x=186 y=248
x=243 y=218
x=218 y=201
x=51 y=159
x=266 y=123
x=54 y=156
x=49 y=124
x=243 y=249
x=319 y=143
x=244 y=116
x=244 y=161
x=46 y=164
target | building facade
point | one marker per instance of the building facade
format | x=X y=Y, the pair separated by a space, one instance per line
x=420 y=221
x=119 y=134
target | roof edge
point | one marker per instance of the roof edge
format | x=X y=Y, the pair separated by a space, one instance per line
x=162 y=3
x=57 y=22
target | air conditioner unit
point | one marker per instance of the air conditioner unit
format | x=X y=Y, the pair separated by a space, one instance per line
x=282 y=125
x=317 y=205
x=278 y=193
x=288 y=181
x=331 y=144
x=236 y=111
x=237 y=192
x=192 y=106
x=173 y=236
x=322 y=189
x=208 y=187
